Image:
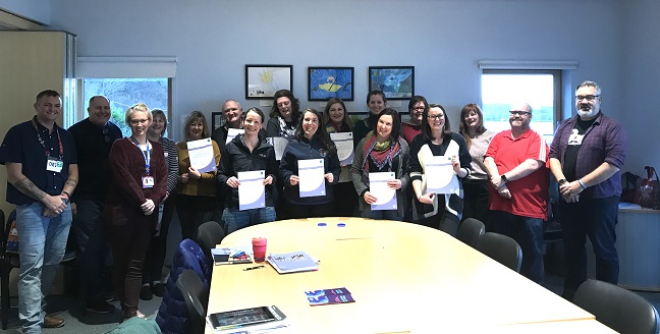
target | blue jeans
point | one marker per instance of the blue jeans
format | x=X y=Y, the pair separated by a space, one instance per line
x=40 y=248
x=234 y=220
x=597 y=219
x=382 y=214
x=528 y=232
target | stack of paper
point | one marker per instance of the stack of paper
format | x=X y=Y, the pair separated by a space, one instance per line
x=293 y=262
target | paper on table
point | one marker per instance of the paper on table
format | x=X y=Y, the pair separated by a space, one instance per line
x=386 y=196
x=201 y=155
x=279 y=144
x=231 y=133
x=344 y=143
x=440 y=177
x=251 y=193
x=312 y=182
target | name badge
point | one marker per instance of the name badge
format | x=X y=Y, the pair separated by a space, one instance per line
x=147 y=182
x=54 y=165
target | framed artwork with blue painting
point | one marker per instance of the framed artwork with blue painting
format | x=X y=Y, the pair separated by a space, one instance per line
x=328 y=82
x=397 y=82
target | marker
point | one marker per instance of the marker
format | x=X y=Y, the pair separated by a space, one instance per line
x=252 y=268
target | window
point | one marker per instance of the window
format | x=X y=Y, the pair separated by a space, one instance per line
x=540 y=88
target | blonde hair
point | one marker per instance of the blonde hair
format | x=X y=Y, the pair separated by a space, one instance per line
x=138 y=107
x=195 y=116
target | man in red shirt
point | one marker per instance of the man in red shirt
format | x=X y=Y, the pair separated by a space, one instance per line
x=517 y=166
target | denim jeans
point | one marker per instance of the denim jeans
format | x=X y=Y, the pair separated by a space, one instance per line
x=382 y=214
x=528 y=232
x=234 y=220
x=597 y=219
x=40 y=248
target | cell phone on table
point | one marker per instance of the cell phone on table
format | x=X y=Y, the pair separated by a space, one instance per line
x=249 y=320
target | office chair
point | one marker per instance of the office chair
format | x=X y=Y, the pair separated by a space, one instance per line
x=209 y=235
x=502 y=249
x=617 y=308
x=196 y=296
x=470 y=232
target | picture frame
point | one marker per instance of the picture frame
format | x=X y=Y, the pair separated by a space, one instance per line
x=262 y=81
x=216 y=120
x=397 y=82
x=324 y=83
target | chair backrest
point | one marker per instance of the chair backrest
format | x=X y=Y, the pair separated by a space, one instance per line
x=196 y=296
x=621 y=310
x=502 y=249
x=470 y=232
x=209 y=234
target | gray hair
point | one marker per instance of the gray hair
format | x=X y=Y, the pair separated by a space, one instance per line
x=589 y=83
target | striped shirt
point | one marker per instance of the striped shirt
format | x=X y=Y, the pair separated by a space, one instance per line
x=172 y=160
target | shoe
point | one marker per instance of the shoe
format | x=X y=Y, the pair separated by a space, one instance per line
x=100 y=307
x=158 y=289
x=145 y=292
x=51 y=321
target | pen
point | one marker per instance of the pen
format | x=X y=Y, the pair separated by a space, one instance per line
x=252 y=268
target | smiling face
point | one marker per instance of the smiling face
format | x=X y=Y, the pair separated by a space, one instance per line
x=436 y=119
x=416 y=112
x=310 y=124
x=139 y=123
x=336 y=113
x=587 y=102
x=99 y=110
x=231 y=111
x=384 y=128
x=284 y=107
x=471 y=120
x=48 y=108
x=252 y=123
x=196 y=130
x=520 y=116
x=376 y=104
x=158 y=126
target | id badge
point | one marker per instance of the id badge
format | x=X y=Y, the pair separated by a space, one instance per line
x=147 y=182
x=54 y=165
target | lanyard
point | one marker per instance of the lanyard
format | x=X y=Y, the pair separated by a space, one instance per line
x=147 y=155
x=43 y=144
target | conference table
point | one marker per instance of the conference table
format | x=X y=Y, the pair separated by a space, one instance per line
x=405 y=278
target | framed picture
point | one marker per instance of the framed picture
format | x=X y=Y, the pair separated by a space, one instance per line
x=216 y=120
x=397 y=82
x=262 y=81
x=327 y=82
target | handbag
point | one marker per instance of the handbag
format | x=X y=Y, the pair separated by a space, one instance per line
x=648 y=192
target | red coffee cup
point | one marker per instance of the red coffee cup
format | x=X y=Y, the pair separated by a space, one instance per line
x=259 y=249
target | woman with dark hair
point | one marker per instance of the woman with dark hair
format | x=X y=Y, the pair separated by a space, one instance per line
x=284 y=115
x=139 y=185
x=196 y=192
x=475 y=185
x=247 y=152
x=443 y=210
x=382 y=150
x=311 y=142
x=336 y=121
x=376 y=102
x=152 y=274
x=413 y=126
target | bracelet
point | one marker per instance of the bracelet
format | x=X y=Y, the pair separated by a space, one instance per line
x=66 y=193
x=584 y=186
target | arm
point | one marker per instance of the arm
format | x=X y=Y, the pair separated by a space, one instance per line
x=464 y=158
x=598 y=175
x=160 y=177
x=287 y=164
x=527 y=167
x=71 y=181
x=172 y=166
x=334 y=167
x=272 y=166
x=356 y=170
x=16 y=178
x=272 y=128
x=404 y=177
x=226 y=169
x=127 y=185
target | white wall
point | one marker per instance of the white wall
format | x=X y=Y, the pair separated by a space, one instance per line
x=35 y=10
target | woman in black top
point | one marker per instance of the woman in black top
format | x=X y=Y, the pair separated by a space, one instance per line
x=284 y=115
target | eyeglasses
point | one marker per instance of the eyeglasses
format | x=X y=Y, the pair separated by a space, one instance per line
x=418 y=109
x=587 y=97
x=436 y=117
x=521 y=113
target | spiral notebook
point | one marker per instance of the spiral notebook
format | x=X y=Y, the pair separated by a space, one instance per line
x=293 y=262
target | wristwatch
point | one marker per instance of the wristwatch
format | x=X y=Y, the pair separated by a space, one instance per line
x=562 y=181
x=503 y=177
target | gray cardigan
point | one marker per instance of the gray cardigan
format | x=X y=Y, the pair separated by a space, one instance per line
x=361 y=179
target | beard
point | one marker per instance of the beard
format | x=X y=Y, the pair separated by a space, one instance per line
x=587 y=113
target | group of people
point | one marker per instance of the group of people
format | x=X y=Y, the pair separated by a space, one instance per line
x=440 y=178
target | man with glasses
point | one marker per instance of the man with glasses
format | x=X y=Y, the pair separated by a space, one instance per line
x=587 y=153
x=516 y=164
x=93 y=137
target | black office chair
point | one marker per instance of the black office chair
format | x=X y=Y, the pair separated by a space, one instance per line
x=209 y=235
x=196 y=296
x=621 y=310
x=502 y=249
x=8 y=261
x=470 y=232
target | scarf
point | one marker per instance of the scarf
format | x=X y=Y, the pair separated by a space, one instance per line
x=381 y=154
x=332 y=127
x=286 y=130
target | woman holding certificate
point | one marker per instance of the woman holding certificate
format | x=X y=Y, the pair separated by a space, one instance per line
x=199 y=157
x=379 y=169
x=139 y=185
x=248 y=169
x=438 y=158
x=308 y=169
x=336 y=123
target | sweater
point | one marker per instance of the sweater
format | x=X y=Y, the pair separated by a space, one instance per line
x=478 y=146
x=206 y=185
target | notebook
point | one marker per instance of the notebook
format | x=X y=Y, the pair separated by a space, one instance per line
x=292 y=262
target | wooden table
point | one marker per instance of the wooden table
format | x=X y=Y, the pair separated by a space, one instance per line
x=404 y=278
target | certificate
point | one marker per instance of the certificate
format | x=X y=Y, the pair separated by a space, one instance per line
x=385 y=196
x=279 y=144
x=312 y=182
x=201 y=155
x=251 y=193
x=344 y=143
x=440 y=177
x=231 y=133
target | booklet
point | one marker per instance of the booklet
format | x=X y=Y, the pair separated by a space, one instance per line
x=231 y=255
x=329 y=296
x=293 y=262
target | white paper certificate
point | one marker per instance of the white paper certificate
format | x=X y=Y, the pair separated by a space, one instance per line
x=251 y=193
x=231 y=133
x=201 y=155
x=385 y=196
x=279 y=144
x=312 y=182
x=440 y=177
x=344 y=143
